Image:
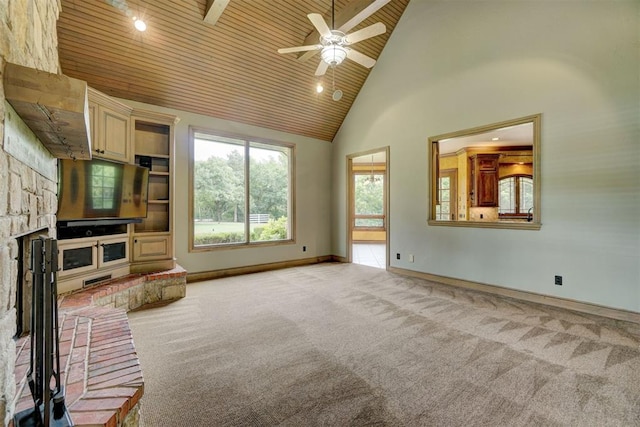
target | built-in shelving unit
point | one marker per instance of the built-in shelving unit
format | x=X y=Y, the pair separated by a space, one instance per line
x=153 y=139
x=106 y=249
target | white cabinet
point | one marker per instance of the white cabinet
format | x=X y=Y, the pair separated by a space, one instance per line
x=153 y=245
x=145 y=138
x=87 y=254
x=110 y=128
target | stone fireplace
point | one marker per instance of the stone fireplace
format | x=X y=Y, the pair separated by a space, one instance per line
x=28 y=173
x=27 y=210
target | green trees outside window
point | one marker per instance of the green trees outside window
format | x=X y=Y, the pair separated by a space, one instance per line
x=369 y=201
x=241 y=190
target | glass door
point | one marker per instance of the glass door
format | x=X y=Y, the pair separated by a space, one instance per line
x=368 y=209
x=77 y=257
x=446 y=209
x=113 y=251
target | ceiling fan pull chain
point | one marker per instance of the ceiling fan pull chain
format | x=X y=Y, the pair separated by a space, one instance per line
x=333 y=78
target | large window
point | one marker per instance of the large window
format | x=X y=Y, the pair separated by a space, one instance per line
x=241 y=190
x=516 y=196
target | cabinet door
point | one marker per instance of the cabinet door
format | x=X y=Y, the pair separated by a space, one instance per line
x=114 y=135
x=483 y=174
x=149 y=248
x=487 y=188
x=113 y=252
x=487 y=163
x=77 y=257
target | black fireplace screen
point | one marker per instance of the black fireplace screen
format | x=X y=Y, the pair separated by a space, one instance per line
x=44 y=370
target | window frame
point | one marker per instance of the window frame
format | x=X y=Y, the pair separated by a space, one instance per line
x=383 y=216
x=248 y=139
x=518 y=196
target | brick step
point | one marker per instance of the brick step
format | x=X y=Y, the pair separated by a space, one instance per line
x=99 y=368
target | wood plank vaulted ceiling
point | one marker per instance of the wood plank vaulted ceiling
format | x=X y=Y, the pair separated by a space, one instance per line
x=230 y=70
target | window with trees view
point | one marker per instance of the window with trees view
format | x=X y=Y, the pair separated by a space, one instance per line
x=369 y=201
x=241 y=190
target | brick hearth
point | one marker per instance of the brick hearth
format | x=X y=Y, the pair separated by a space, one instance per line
x=100 y=370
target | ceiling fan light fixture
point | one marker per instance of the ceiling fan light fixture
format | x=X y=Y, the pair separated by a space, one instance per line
x=333 y=54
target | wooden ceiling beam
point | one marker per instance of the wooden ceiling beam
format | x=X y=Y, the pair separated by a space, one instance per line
x=214 y=11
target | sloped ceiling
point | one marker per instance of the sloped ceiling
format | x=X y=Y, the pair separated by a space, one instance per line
x=230 y=70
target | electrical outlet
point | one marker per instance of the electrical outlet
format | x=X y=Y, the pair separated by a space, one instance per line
x=411 y=258
x=559 y=280
x=304 y=249
x=397 y=256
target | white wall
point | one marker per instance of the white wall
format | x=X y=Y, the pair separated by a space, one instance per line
x=452 y=65
x=313 y=186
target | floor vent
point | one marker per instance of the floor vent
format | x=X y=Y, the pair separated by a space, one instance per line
x=91 y=282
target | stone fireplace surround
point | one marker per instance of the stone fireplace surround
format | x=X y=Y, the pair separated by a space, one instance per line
x=27 y=208
x=28 y=201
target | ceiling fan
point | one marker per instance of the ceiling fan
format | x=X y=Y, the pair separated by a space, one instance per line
x=334 y=44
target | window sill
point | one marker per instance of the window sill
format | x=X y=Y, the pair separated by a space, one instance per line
x=231 y=246
x=505 y=224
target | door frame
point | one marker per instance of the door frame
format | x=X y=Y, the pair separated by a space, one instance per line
x=351 y=204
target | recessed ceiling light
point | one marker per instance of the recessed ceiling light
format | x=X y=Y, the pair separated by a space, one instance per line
x=495 y=139
x=319 y=88
x=139 y=24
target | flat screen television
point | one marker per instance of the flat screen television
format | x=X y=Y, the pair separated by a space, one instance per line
x=101 y=190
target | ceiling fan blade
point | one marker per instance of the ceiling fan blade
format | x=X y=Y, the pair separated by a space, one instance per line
x=360 y=58
x=307 y=55
x=358 y=11
x=322 y=68
x=365 y=33
x=318 y=21
x=300 y=48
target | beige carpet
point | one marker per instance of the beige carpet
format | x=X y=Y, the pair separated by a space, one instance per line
x=342 y=344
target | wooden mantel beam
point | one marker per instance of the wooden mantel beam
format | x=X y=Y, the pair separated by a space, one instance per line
x=55 y=107
x=214 y=11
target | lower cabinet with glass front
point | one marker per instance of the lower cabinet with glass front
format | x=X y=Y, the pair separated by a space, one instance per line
x=88 y=261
